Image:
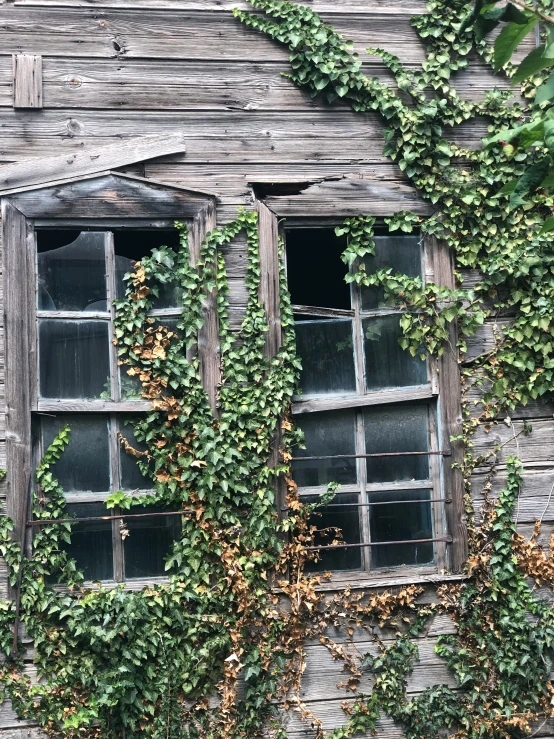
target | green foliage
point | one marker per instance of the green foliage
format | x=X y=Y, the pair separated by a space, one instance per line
x=127 y=664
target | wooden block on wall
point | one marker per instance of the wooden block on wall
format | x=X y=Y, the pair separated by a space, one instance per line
x=27 y=81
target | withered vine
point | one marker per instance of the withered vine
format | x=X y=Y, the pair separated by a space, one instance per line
x=213 y=652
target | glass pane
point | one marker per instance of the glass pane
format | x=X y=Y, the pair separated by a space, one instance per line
x=386 y=363
x=74 y=360
x=402 y=253
x=397 y=428
x=329 y=433
x=131 y=477
x=149 y=542
x=315 y=271
x=348 y=520
x=71 y=274
x=84 y=466
x=131 y=246
x=91 y=543
x=396 y=522
x=327 y=354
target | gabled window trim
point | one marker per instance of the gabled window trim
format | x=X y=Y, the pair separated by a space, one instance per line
x=22 y=213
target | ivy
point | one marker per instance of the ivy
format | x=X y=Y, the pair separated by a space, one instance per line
x=214 y=651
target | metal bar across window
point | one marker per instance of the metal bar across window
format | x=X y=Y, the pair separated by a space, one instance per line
x=40 y=522
x=381 y=502
x=441 y=453
x=446 y=539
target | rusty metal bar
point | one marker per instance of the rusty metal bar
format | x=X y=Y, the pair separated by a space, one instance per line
x=108 y=518
x=371 y=456
x=447 y=539
x=385 y=502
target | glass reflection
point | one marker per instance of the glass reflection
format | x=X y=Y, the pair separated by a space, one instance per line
x=348 y=521
x=402 y=253
x=74 y=359
x=386 y=363
x=326 y=350
x=71 y=277
x=327 y=434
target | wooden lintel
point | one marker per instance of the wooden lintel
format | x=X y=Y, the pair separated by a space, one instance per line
x=27 y=81
x=44 y=171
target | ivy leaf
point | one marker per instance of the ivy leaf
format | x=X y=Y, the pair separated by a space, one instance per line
x=548 y=225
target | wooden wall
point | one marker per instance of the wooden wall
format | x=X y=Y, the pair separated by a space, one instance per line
x=114 y=69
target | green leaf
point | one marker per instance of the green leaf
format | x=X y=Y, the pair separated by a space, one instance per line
x=533 y=63
x=529 y=181
x=545 y=91
x=509 y=39
x=548 y=225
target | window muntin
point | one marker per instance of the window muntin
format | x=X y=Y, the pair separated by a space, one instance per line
x=78 y=277
x=385 y=413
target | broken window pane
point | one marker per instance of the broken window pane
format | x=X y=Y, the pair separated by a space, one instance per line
x=386 y=363
x=396 y=522
x=149 y=542
x=402 y=253
x=71 y=273
x=131 y=246
x=327 y=353
x=91 y=543
x=74 y=360
x=131 y=476
x=397 y=428
x=84 y=465
x=315 y=272
x=348 y=520
x=328 y=433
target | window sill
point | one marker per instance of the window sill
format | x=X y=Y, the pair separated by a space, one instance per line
x=365 y=581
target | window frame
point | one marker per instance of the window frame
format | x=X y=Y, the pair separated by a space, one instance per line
x=118 y=202
x=444 y=387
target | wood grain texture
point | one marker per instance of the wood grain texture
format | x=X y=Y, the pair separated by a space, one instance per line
x=208 y=335
x=109 y=196
x=18 y=358
x=27 y=81
x=40 y=171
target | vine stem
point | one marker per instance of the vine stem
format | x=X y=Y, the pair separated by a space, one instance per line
x=543 y=16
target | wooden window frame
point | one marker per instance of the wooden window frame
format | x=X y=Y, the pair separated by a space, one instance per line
x=101 y=202
x=444 y=386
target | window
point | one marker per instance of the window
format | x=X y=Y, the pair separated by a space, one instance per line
x=78 y=274
x=66 y=248
x=370 y=411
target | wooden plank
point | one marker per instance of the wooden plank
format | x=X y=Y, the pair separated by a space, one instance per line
x=390 y=7
x=205 y=85
x=330 y=135
x=110 y=196
x=355 y=401
x=535 y=500
x=39 y=171
x=27 y=81
x=208 y=335
x=349 y=197
x=536 y=448
x=269 y=280
x=18 y=371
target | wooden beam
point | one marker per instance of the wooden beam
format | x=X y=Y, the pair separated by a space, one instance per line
x=45 y=171
x=19 y=355
x=27 y=81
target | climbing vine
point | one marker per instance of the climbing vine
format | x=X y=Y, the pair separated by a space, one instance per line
x=214 y=651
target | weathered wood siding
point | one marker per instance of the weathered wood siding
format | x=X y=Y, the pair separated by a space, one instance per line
x=115 y=69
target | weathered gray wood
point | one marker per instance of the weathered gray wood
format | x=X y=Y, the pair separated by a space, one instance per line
x=18 y=371
x=27 y=81
x=208 y=336
x=40 y=171
x=451 y=417
x=349 y=401
x=391 y=7
x=349 y=197
x=536 y=448
x=269 y=281
x=109 y=196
